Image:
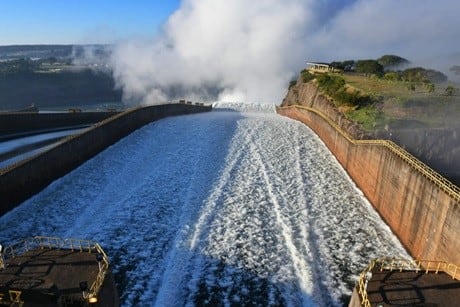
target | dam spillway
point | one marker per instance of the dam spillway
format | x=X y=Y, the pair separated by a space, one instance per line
x=216 y=208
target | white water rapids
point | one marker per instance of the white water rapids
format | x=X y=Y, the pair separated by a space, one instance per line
x=222 y=208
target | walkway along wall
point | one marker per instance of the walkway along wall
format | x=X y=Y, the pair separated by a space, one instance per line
x=419 y=205
x=24 y=179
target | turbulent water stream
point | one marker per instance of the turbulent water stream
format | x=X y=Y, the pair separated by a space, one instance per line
x=224 y=208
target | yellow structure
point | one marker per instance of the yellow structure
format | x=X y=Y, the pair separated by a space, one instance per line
x=62 y=264
x=401 y=265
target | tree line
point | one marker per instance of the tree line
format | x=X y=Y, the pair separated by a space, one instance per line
x=391 y=67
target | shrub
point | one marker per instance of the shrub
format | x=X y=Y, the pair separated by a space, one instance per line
x=420 y=74
x=334 y=86
x=369 y=117
x=411 y=87
x=344 y=65
x=330 y=84
x=306 y=76
x=392 y=76
x=450 y=90
x=430 y=87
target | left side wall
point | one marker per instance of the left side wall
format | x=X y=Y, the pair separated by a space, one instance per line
x=24 y=179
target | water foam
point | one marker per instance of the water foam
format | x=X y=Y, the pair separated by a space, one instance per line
x=216 y=208
x=244 y=107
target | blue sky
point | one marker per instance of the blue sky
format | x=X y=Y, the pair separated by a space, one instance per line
x=80 y=21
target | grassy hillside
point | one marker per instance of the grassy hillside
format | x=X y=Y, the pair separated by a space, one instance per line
x=400 y=103
x=378 y=103
x=389 y=93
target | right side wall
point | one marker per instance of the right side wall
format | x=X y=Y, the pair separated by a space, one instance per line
x=420 y=206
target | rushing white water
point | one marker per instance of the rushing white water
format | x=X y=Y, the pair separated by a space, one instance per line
x=222 y=208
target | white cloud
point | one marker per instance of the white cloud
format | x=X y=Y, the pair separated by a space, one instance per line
x=249 y=50
x=236 y=49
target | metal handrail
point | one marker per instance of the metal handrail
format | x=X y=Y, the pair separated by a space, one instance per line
x=445 y=185
x=68 y=138
x=81 y=245
x=395 y=264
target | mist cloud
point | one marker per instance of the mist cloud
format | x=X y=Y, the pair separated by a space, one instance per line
x=214 y=49
x=420 y=30
x=249 y=50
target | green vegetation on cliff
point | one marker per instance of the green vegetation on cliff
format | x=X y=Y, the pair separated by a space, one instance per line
x=306 y=76
x=369 y=67
x=358 y=106
x=335 y=86
x=404 y=103
x=377 y=95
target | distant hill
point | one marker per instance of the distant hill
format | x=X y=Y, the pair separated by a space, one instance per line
x=56 y=89
x=35 y=51
x=61 y=52
x=54 y=75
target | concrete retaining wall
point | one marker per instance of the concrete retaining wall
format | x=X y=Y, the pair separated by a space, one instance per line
x=11 y=123
x=420 y=206
x=22 y=180
x=308 y=95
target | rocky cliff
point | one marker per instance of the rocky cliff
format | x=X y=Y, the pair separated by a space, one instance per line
x=307 y=94
x=437 y=147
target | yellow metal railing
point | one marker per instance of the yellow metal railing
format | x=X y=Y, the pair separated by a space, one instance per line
x=441 y=182
x=394 y=264
x=12 y=166
x=58 y=243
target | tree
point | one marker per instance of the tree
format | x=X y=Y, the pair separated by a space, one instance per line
x=411 y=87
x=420 y=74
x=369 y=67
x=344 y=65
x=450 y=90
x=390 y=61
x=392 y=76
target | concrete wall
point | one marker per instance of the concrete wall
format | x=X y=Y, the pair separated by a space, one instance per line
x=437 y=147
x=14 y=123
x=420 y=206
x=22 y=180
x=308 y=95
